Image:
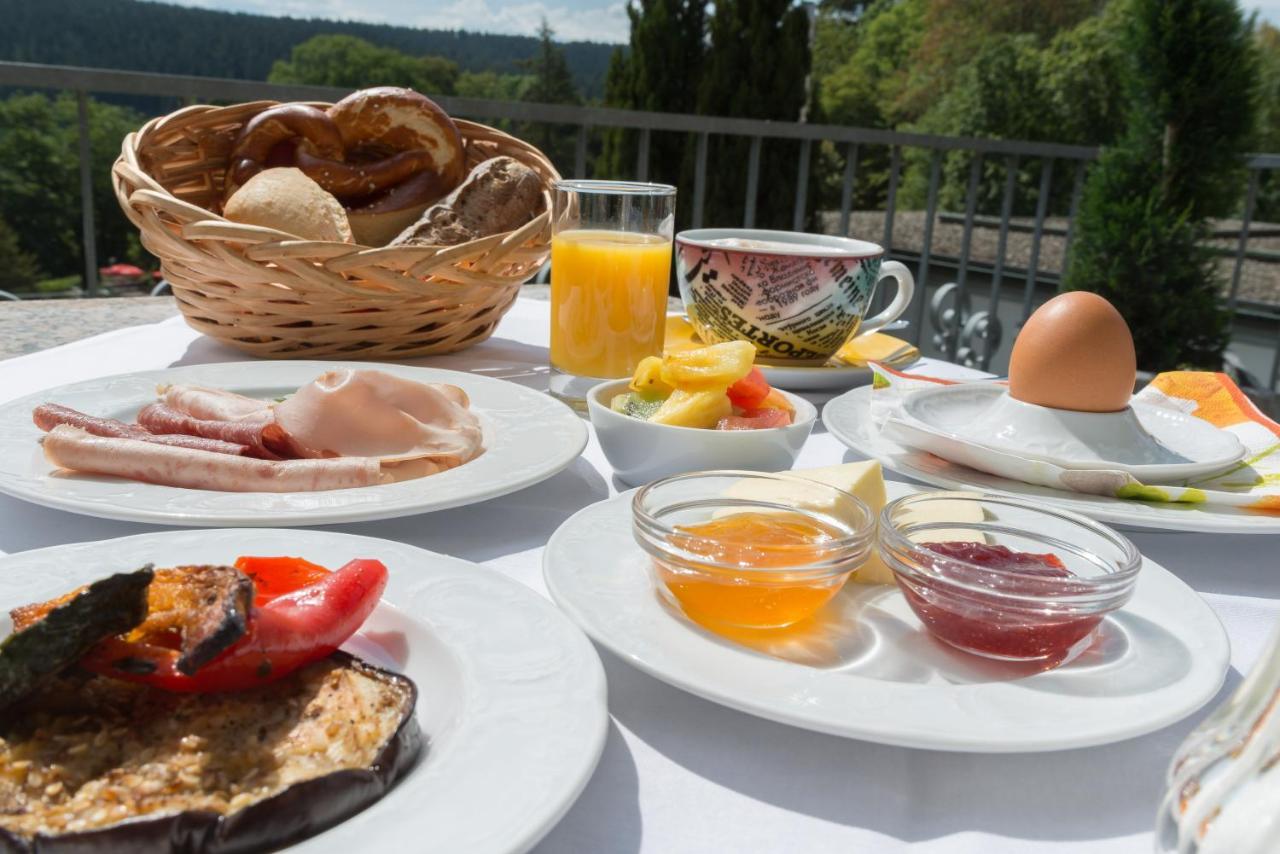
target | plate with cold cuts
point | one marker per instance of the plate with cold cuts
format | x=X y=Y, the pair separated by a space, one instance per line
x=281 y=443
x=866 y=668
x=500 y=726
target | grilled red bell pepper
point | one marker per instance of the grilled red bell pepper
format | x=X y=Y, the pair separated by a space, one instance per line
x=275 y=576
x=288 y=632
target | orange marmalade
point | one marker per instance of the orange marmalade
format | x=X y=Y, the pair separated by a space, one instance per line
x=763 y=570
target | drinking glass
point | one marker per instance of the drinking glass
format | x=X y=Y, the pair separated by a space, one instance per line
x=610 y=268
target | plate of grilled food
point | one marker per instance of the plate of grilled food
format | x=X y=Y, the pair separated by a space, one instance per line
x=235 y=690
x=281 y=443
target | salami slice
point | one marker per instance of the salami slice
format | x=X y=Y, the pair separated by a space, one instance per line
x=164 y=419
x=50 y=415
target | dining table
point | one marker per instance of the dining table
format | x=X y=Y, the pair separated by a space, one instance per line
x=683 y=774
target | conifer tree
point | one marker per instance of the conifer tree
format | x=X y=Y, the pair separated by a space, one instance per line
x=756 y=65
x=551 y=83
x=1142 y=221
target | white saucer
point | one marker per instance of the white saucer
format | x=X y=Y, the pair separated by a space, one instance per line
x=848 y=418
x=1155 y=444
x=871 y=672
x=826 y=377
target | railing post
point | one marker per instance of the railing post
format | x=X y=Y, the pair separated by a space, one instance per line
x=1250 y=200
x=846 y=189
x=802 y=185
x=895 y=164
x=966 y=241
x=700 y=180
x=642 y=156
x=1002 y=241
x=1076 y=189
x=931 y=213
x=1033 y=263
x=90 y=239
x=580 y=152
x=753 y=183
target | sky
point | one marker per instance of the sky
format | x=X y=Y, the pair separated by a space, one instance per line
x=573 y=20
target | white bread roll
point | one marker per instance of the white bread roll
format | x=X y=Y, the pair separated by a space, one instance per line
x=287 y=200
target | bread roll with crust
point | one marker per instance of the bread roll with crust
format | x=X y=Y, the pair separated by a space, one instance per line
x=289 y=201
x=501 y=194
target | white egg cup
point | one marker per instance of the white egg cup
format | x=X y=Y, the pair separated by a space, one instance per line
x=1154 y=444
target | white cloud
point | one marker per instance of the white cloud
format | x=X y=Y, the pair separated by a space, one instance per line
x=572 y=20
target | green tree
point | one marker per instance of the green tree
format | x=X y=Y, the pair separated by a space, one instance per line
x=492 y=85
x=657 y=72
x=351 y=62
x=1142 y=218
x=756 y=67
x=550 y=83
x=18 y=269
x=40 y=179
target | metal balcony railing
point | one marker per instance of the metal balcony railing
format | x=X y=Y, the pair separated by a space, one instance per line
x=958 y=332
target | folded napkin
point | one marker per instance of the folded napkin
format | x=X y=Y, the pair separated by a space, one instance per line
x=1254 y=483
x=856 y=352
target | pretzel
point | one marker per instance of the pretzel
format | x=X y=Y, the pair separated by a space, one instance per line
x=385 y=153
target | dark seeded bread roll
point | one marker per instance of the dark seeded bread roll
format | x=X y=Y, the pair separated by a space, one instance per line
x=500 y=194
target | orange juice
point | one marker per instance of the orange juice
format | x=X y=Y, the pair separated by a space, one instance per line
x=608 y=300
x=774 y=542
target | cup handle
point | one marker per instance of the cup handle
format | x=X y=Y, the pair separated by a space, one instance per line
x=902 y=299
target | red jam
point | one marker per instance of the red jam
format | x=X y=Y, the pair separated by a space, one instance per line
x=990 y=624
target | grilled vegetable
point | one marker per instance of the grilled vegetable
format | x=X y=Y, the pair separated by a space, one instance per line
x=276 y=576
x=286 y=633
x=206 y=609
x=113 y=766
x=67 y=628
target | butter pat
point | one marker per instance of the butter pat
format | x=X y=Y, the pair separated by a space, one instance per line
x=863 y=480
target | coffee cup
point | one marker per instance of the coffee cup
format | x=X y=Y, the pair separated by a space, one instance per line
x=797 y=297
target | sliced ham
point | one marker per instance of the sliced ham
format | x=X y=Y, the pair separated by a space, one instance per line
x=49 y=415
x=376 y=414
x=214 y=404
x=161 y=418
x=72 y=448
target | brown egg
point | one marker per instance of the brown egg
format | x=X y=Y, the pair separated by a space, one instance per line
x=1075 y=352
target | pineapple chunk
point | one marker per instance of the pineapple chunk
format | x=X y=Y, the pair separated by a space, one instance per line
x=694 y=408
x=716 y=366
x=648 y=378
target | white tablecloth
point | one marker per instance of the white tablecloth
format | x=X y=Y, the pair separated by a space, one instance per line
x=681 y=774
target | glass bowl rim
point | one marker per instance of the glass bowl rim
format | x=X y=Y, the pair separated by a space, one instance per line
x=1116 y=582
x=655 y=535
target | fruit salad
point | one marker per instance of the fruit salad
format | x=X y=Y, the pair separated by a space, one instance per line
x=715 y=387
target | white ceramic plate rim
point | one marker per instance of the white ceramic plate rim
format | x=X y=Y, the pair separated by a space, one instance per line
x=791 y=693
x=565 y=704
x=1231 y=452
x=847 y=416
x=529 y=437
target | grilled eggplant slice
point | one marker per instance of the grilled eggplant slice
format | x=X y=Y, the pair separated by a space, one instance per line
x=67 y=628
x=95 y=764
x=206 y=607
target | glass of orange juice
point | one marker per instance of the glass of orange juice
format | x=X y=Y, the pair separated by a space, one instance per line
x=610 y=269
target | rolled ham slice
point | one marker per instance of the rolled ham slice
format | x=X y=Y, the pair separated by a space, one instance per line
x=49 y=415
x=72 y=448
x=161 y=418
x=214 y=404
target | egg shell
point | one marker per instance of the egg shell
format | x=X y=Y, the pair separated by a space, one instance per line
x=1075 y=352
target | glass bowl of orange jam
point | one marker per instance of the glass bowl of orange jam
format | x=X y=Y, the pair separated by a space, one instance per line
x=744 y=550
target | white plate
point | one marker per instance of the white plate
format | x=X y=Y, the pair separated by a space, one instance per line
x=511 y=696
x=873 y=673
x=528 y=437
x=1155 y=444
x=848 y=419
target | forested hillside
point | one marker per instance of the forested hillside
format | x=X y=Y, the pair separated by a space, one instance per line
x=145 y=36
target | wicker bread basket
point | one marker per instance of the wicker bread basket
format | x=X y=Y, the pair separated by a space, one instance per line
x=279 y=297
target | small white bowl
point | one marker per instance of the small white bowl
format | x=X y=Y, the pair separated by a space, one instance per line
x=641 y=451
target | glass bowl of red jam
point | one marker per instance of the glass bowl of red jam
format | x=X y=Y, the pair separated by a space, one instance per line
x=1025 y=583
x=744 y=550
